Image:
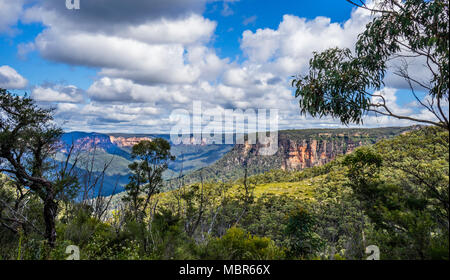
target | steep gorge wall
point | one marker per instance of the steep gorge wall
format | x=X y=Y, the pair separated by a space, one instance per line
x=298 y=155
x=297 y=150
x=127 y=142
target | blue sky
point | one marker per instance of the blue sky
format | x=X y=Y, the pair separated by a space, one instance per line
x=36 y=69
x=266 y=14
x=124 y=66
x=262 y=14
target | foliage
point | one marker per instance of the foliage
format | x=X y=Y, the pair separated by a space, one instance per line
x=153 y=158
x=236 y=244
x=104 y=248
x=404 y=191
x=341 y=84
x=27 y=141
x=393 y=194
x=341 y=222
x=169 y=240
x=303 y=241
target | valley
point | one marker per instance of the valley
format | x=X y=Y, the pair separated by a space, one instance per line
x=297 y=150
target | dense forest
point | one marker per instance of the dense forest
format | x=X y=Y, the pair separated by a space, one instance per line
x=363 y=194
x=393 y=194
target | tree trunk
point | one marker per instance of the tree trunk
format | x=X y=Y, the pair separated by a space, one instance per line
x=50 y=208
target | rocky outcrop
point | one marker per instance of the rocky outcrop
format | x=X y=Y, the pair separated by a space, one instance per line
x=297 y=150
x=127 y=142
x=297 y=155
x=318 y=147
x=86 y=142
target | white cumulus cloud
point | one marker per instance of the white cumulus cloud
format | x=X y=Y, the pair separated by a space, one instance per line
x=10 y=12
x=10 y=79
x=156 y=56
x=58 y=93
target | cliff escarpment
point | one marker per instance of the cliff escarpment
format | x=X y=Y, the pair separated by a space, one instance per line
x=297 y=150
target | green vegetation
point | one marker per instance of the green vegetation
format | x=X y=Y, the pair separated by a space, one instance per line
x=229 y=167
x=344 y=84
x=152 y=160
x=393 y=194
x=325 y=194
x=28 y=138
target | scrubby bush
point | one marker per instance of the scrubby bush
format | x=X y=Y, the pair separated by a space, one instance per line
x=236 y=244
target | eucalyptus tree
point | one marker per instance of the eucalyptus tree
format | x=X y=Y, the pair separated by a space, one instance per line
x=152 y=159
x=28 y=140
x=345 y=84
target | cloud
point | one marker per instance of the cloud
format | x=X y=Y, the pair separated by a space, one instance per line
x=10 y=79
x=189 y=30
x=121 y=90
x=288 y=49
x=389 y=95
x=108 y=14
x=58 y=93
x=249 y=20
x=24 y=48
x=10 y=12
x=119 y=57
x=416 y=68
x=103 y=117
x=162 y=60
x=157 y=50
x=227 y=10
x=136 y=108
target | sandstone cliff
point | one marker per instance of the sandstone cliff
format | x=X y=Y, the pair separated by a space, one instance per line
x=297 y=149
x=312 y=152
x=127 y=142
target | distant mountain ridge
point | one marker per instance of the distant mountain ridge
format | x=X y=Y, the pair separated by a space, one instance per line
x=188 y=156
x=117 y=146
x=88 y=141
x=297 y=150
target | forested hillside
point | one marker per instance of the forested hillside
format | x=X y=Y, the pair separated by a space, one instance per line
x=297 y=149
x=344 y=188
x=393 y=194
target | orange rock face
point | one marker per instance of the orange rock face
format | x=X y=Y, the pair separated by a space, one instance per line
x=127 y=141
x=311 y=152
